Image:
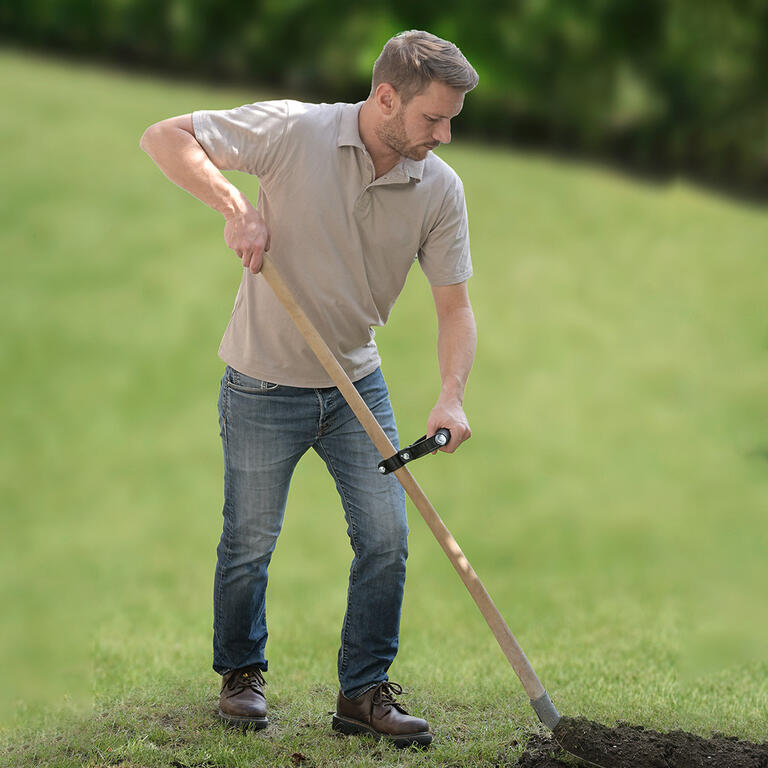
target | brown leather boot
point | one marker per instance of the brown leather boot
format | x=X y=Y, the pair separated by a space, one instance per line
x=377 y=713
x=242 y=701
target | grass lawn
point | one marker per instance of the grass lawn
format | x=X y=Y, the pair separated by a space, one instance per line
x=613 y=497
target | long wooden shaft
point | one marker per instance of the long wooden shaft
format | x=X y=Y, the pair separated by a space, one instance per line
x=501 y=631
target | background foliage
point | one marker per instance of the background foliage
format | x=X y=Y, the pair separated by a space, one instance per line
x=663 y=85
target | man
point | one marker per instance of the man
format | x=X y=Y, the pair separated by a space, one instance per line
x=350 y=195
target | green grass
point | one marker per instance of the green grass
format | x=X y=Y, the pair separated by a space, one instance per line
x=612 y=498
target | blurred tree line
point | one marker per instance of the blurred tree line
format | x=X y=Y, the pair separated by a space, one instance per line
x=662 y=85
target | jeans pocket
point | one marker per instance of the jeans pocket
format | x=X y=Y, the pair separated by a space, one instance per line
x=241 y=383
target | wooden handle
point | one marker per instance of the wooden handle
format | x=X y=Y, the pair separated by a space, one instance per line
x=494 y=619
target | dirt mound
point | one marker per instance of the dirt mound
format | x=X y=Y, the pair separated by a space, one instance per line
x=632 y=746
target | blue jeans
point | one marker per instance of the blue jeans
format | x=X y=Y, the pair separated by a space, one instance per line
x=265 y=430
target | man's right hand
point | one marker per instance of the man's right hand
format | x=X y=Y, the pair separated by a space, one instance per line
x=247 y=235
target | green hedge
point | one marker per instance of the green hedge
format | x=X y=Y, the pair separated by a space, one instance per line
x=675 y=85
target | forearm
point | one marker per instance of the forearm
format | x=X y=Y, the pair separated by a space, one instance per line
x=456 y=345
x=182 y=159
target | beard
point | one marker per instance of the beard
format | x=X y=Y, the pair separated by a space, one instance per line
x=393 y=134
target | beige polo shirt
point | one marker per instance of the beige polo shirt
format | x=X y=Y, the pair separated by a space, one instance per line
x=342 y=240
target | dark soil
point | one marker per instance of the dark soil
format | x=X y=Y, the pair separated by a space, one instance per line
x=632 y=746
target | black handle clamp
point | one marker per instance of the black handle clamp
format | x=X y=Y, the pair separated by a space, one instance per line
x=421 y=447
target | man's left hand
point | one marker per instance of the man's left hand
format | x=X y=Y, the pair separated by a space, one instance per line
x=449 y=414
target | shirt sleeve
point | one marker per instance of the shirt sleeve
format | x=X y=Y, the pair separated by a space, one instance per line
x=444 y=255
x=247 y=138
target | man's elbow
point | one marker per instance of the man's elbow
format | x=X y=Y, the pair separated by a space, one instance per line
x=147 y=138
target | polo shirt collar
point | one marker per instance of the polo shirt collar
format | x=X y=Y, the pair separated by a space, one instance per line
x=349 y=136
x=414 y=168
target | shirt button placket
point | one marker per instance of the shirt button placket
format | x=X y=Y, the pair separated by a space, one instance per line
x=363 y=203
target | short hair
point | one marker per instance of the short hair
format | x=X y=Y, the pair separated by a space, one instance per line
x=411 y=60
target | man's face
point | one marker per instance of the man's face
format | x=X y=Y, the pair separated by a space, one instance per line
x=424 y=122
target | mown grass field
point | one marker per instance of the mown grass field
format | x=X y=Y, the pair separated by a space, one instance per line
x=613 y=497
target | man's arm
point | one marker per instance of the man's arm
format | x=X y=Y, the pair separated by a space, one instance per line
x=172 y=145
x=456 y=343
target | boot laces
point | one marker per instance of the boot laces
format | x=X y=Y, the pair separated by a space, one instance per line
x=250 y=677
x=385 y=694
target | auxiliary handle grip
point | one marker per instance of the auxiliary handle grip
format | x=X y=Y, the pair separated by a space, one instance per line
x=421 y=447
